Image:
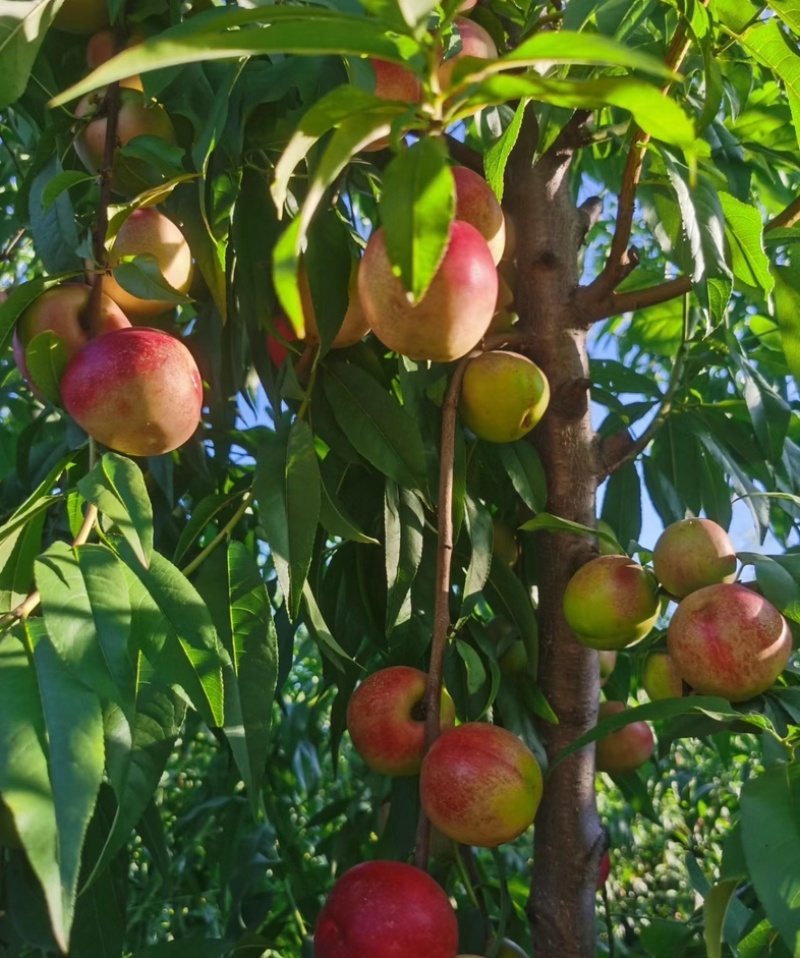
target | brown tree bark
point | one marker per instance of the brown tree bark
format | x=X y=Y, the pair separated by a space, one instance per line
x=568 y=840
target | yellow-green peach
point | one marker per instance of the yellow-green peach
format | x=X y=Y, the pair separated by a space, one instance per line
x=503 y=396
x=661 y=678
x=691 y=554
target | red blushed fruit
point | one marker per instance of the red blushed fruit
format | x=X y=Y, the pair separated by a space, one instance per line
x=476 y=204
x=692 y=554
x=480 y=785
x=626 y=749
x=727 y=640
x=386 y=720
x=386 y=910
x=136 y=390
x=453 y=314
x=275 y=346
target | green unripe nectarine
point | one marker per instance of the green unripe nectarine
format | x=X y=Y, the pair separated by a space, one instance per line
x=503 y=396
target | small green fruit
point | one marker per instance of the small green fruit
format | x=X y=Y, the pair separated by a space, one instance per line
x=661 y=678
x=503 y=396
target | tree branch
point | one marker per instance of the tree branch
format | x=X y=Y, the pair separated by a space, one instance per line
x=444 y=556
x=618 y=264
x=591 y=308
x=788 y=217
x=464 y=154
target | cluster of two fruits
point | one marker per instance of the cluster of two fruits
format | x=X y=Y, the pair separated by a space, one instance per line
x=723 y=639
x=479 y=785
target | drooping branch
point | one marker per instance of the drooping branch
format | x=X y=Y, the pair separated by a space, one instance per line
x=464 y=154
x=444 y=557
x=619 y=264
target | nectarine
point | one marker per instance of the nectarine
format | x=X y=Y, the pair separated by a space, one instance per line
x=727 y=640
x=691 y=554
x=503 y=396
x=454 y=313
x=383 y=909
x=660 y=677
x=480 y=784
x=476 y=42
x=476 y=204
x=136 y=390
x=626 y=749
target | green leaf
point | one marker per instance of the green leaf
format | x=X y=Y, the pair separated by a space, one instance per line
x=767 y=43
x=787 y=311
x=142 y=277
x=23 y=24
x=116 y=486
x=715 y=908
x=771 y=840
x=73 y=724
x=545 y=522
x=744 y=230
x=203 y=514
x=318 y=628
x=88 y=617
x=46 y=358
x=376 y=424
x=507 y=595
x=404 y=524
x=416 y=208
x=173 y=627
x=654 y=112
x=61 y=182
x=336 y=521
x=565 y=46
x=137 y=754
x=524 y=468
x=17 y=554
x=287 y=487
x=38 y=501
x=711 y=706
x=778 y=585
x=239 y=603
x=496 y=157
x=311 y=31
x=481 y=534
x=188 y=948
x=622 y=505
x=20 y=297
x=326 y=114
x=788 y=12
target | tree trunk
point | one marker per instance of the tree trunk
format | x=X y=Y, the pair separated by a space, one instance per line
x=568 y=837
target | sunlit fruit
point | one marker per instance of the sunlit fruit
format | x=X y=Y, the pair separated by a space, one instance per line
x=611 y=602
x=727 y=640
x=454 y=313
x=136 y=390
x=383 y=909
x=476 y=204
x=138 y=116
x=475 y=42
x=395 y=82
x=386 y=719
x=660 y=677
x=81 y=16
x=691 y=554
x=480 y=784
x=626 y=749
x=63 y=310
x=503 y=396
x=148 y=232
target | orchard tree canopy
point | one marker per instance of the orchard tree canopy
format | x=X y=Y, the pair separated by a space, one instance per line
x=287 y=400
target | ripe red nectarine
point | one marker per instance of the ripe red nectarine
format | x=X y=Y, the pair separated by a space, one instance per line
x=386 y=719
x=136 y=390
x=383 y=909
x=452 y=315
x=626 y=749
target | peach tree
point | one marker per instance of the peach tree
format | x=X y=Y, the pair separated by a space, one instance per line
x=181 y=633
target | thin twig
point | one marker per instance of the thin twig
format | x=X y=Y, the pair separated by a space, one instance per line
x=31 y=603
x=223 y=533
x=639 y=445
x=464 y=154
x=618 y=264
x=444 y=556
x=9 y=249
x=591 y=308
x=788 y=217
